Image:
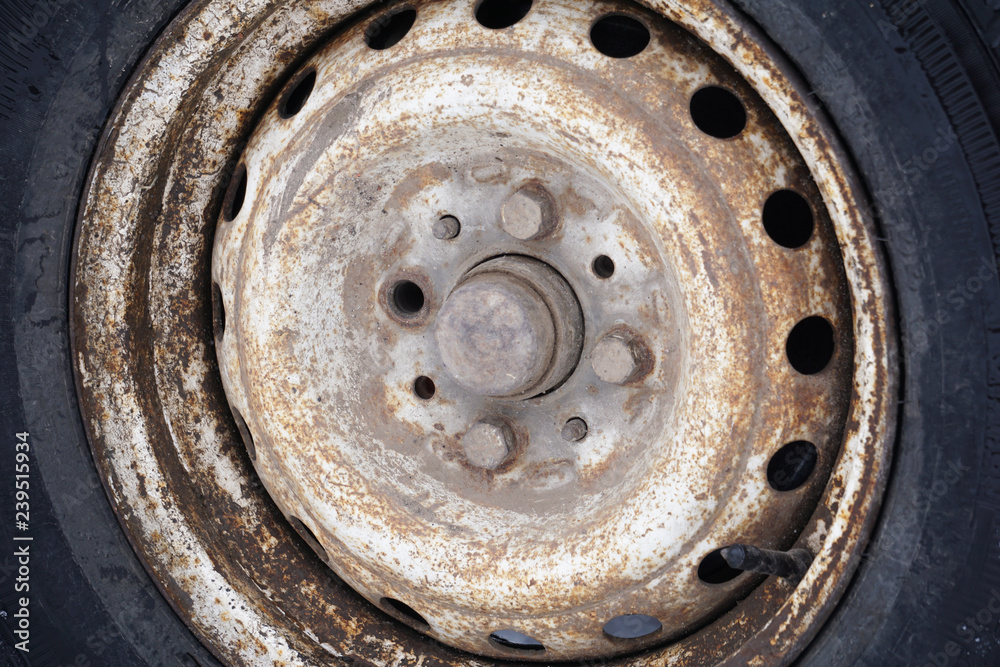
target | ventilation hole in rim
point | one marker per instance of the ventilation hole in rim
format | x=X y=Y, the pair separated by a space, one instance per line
x=404 y=610
x=307 y=535
x=718 y=112
x=218 y=312
x=631 y=626
x=389 y=29
x=424 y=388
x=500 y=14
x=245 y=434
x=788 y=219
x=513 y=639
x=715 y=570
x=810 y=345
x=792 y=465
x=619 y=36
x=236 y=195
x=603 y=267
x=407 y=298
x=296 y=96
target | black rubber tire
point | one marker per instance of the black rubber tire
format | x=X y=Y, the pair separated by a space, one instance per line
x=914 y=89
x=62 y=64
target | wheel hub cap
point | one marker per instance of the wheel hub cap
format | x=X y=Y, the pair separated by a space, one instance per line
x=512 y=327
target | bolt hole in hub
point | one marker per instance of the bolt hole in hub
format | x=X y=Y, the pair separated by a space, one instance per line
x=604 y=267
x=527 y=396
x=407 y=298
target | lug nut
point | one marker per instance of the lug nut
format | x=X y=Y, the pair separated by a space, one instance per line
x=529 y=213
x=488 y=443
x=620 y=358
x=575 y=430
x=447 y=228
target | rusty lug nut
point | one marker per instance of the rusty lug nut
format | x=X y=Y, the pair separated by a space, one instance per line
x=791 y=565
x=620 y=358
x=575 y=430
x=529 y=213
x=488 y=443
x=447 y=228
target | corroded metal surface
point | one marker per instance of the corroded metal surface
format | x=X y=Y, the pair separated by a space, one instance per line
x=677 y=212
x=562 y=537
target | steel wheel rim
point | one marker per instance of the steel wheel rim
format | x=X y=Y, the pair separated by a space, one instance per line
x=874 y=394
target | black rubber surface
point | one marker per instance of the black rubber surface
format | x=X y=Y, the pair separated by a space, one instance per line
x=914 y=90
x=62 y=65
x=907 y=86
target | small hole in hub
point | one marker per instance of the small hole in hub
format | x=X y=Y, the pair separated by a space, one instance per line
x=603 y=267
x=424 y=388
x=407 y=298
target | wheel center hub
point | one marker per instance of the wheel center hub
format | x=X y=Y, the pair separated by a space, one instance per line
x=512 y=328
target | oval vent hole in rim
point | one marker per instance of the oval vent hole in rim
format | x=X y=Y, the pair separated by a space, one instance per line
x=619 y=36
x=245 y=434
x=307 y=535
x=792 y=465
x=811 y=345
x=501 y=14
x=236 y=195
x=512 y=639
x=788 y=219
x=718 y=112
x=715 y=570
x=389 y=29
x=632 y=626
x=297 y=95
x=218 y=312
x=404 y=610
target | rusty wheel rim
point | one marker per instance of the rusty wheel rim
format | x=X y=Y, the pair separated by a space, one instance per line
x=651 y=393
